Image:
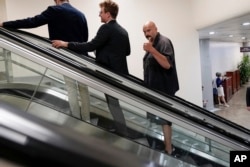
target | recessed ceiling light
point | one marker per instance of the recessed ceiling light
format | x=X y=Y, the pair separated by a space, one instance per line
x=246 y=24
x=211 y=33
x=243 y=37
x=230 y=36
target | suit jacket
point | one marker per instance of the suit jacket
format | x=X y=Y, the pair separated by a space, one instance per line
x=111 y=44
x=248 y=97
x=64 y=22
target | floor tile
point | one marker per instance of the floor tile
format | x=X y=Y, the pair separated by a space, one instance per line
x=237 y=112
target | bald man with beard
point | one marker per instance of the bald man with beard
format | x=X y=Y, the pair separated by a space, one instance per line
x=160 y=73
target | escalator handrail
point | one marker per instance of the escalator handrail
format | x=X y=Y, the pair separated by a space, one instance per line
x=57 y=144
x=140 y=82
x=130 y=90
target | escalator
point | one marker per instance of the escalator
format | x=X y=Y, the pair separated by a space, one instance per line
x=27 y=141
x=33 y=77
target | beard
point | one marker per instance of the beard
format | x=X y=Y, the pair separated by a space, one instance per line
x=150 y=39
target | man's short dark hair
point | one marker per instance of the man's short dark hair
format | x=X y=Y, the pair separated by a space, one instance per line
x=218 y=74
x=111 y=7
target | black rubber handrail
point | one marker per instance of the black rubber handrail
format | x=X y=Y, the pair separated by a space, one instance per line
x=148 y=97
x=140 y=82
x=53 y=145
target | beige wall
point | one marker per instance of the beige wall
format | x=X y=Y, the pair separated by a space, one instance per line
x=2 y=10
x=27 y=8
x=209 y=12
x=173 y=17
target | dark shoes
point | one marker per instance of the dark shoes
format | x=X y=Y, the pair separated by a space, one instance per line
x=174 y=152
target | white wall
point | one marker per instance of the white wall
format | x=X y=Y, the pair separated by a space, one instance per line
x=217 y=57
x=2 y=10
x=173 y=17
x=209 y=12
x=27 y=8
x=224 y=56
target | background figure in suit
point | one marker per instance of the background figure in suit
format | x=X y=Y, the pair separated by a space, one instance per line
x=112 y=45
x=248 y=98
x=160 y=73
x=66 y=23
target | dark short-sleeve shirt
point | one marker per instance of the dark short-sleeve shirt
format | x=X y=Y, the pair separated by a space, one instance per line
x=155 y=76
x=219 y=82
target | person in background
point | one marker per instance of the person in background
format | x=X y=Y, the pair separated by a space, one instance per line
x=220 y=90
x=248 y=98
x=66 y=23
x=160 y=72
x=111 y=45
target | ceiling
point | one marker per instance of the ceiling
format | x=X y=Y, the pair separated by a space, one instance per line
x=230 y=30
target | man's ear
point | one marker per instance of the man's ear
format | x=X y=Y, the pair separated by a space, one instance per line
x=109 y=14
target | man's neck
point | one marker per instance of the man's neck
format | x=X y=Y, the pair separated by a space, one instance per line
x=110 y=20
x=62 y=2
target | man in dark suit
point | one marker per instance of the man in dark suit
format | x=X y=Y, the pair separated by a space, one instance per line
x=248 y=98
x=111 y=42
x=112 y=45
x=64 y=22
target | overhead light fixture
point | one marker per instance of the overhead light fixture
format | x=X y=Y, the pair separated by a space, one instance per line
x=230 y=36
x=246 y=24
x=243 y=37
x=211 y=33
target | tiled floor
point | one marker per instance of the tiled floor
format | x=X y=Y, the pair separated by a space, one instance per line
x=237 y=111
